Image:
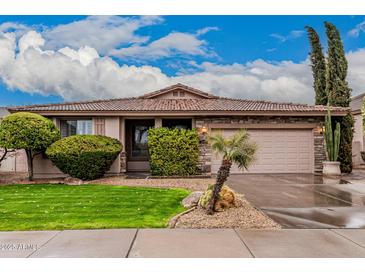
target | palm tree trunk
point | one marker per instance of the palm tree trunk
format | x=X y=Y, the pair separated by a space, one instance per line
x=222 y=176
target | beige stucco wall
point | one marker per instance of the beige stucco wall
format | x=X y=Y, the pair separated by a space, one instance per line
x=358 y=141
x=15 y=162
x=44 y=168
x=112 y=129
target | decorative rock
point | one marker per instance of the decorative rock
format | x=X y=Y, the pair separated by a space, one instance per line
x=72 y=181
x=192 y=200
x=227 y=198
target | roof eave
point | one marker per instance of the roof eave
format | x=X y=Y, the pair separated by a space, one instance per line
x=180 y=113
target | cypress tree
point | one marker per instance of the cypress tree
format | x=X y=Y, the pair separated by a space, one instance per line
x=318 y=67
x=339 y=93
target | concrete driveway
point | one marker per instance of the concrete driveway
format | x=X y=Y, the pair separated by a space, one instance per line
x=305 y=200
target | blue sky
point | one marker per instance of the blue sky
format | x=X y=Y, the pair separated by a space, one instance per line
x=253 y=57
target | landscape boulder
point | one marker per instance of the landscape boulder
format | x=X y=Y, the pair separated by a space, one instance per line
x=72 y=181
x=192 y=200
x=226 y=199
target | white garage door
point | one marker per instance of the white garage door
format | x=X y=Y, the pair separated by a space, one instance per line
x=279 y=151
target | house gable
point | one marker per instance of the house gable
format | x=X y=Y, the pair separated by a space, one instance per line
x=178 y=91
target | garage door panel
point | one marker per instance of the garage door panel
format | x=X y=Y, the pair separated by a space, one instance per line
x=279 y=151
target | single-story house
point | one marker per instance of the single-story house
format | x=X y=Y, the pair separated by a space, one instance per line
x=289 y=135
x=358 y=141
x=16 y=161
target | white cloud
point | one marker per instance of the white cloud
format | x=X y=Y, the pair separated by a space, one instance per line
x=117 y=36
x=206 y=30
x=100 y=32
x=31 y=39
x=271 y=49
x=174 y=43
x=355 y=32
x=83 y=74
x=13 y=27
x=84 y=55
x=356 y=72
x=294 y=34
x=71 y=74
x=283 y=81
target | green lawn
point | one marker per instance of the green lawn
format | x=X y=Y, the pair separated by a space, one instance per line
x=43 y=207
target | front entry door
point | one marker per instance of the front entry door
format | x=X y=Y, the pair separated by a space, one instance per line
x=136 y=141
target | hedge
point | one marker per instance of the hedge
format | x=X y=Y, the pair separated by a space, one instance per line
x=173 y=152
x=85 y=157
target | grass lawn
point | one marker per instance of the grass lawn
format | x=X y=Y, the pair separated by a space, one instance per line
x=46 y=207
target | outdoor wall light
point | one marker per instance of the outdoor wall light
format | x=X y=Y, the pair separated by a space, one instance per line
x=320 y=130
x=204 y=130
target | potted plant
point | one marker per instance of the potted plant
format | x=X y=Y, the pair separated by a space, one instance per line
x=331 y=167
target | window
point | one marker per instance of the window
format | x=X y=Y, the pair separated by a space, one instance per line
x=75 y=127
x=175 y=94
x=177 y=123
x=182 y=93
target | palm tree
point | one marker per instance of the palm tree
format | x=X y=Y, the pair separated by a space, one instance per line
x=238 y=149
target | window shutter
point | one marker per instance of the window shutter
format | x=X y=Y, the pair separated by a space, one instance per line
x=99 y=125
x=63 y=129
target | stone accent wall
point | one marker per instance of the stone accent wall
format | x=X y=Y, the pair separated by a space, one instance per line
x=206 y=153
x=319 y=152
x=123 y=162
x=206 y=121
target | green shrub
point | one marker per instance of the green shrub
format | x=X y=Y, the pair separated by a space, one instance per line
x=28 y=131
x=25 y=130
x=173 y=151
x=85 y=157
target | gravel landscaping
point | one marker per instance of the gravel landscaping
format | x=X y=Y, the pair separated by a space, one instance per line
x=194 y=184
x=244 y=216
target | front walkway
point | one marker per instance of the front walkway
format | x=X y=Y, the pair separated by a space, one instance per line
x=185 y=243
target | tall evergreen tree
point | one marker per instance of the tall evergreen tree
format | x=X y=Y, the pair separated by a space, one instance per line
x=339 y=93
x=318 y=67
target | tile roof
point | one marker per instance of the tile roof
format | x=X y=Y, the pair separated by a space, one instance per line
x=178 y=86
x=175 y=105
x=150 y=102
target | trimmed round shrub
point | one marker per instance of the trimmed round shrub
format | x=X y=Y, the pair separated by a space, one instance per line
x=86 y=157
x=29 y=131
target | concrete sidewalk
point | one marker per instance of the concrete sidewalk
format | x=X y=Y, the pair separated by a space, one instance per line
x=184 y=243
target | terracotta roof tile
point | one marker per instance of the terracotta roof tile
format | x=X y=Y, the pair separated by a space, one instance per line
x=174 y=105
x=150 y=103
